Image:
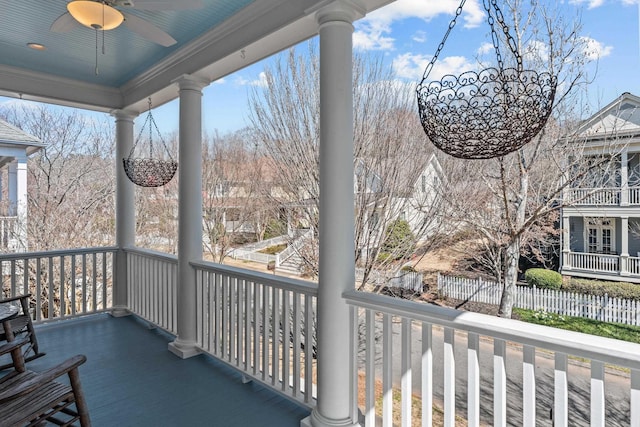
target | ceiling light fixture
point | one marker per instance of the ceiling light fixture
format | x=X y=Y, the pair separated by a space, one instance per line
x=36 y=46
x=96 y=15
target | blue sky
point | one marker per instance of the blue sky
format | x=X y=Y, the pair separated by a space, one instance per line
x=407 y=32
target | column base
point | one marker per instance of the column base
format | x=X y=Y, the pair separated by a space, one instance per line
x=119 y=312
x=317 y=420
x=184 y=350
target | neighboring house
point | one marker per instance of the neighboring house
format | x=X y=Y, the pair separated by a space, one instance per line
x=601 y=227
x=15 y=147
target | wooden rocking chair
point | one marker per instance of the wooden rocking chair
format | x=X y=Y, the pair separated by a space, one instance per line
x=22 y=325
x=32 y=399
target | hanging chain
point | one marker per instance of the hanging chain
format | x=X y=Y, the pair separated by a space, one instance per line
x=444 y=39
x=488 y=4
x=150 y=121
x=150 y=129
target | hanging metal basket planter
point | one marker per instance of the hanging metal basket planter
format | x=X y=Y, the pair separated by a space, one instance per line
x=489 y=113
x=150 y=171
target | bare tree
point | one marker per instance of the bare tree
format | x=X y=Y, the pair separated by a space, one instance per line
x=70 y=181
x=236 y=187
x=517 y=197
x=390 y=152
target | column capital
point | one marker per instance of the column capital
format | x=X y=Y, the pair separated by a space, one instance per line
x=191 y=82
x=338 y=10
x=124 y=114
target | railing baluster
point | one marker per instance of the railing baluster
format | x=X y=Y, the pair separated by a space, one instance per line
x=597 y=394
x=561 y=397
x=370 y=365
x=528 y=386
x=427 y=374
x=387 y=385
x=449 y=378
x=297 y=353
x=406 y=389
x=635 y=397
x=309 y=342
x=499 y=383
x=275 y=336
x=62 y=288
x=473 y=379
x=286 y=340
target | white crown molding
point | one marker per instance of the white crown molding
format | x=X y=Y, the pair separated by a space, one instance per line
x=19 y=83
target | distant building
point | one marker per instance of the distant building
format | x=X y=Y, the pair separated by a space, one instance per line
x=601 y=225
x=15 y=147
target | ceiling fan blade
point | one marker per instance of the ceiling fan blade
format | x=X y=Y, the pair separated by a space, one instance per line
x=162 y=4
x=147 y=30
x=64 y=23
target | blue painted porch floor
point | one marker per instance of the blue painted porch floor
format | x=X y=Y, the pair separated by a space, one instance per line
x=131 y=379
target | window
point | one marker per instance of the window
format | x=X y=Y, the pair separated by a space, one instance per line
x=600 y=236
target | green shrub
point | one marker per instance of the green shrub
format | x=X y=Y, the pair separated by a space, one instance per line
x=601 y=287
x=541 y=278
x=399 y=241
x=408 y=269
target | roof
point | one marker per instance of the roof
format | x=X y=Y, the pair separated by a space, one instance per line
x=619 y=119
x=12 y=137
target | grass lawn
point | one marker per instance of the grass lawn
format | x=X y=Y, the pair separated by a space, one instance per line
x=579 y=324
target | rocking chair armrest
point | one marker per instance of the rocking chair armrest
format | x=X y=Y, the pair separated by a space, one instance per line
x=12 y=345
x=42 y=378
x=16 y=298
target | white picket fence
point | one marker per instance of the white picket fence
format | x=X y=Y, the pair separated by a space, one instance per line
x=602 y=308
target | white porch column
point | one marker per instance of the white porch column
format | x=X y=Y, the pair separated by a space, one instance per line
x=624 y=178
x=21 y=203
x=566 y=248
x=189 y=212
x=624 y=246
x=125 y=210
x=336 y=229
x=12 y=178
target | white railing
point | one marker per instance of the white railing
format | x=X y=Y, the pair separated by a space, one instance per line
x=602 y=308
x=633 y=265
x=634 y=195
x=152 y=279
x=261 y=324
x=253 y=256
x=63 y=283
x=8 y=230
x=389 y=332
x=593 y=196
x=293 y=247
x=594 y=262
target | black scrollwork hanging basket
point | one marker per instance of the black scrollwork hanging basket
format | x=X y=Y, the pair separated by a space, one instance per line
x=489 y=113
x=150 y=171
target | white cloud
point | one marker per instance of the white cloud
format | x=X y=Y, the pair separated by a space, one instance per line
x=591 y=4
x=412 y=67
x=485 y=48
x=420 y=37
x=373 y=32
x=261 y=81
x=595 y=50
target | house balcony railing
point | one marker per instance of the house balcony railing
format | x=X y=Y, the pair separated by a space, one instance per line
x=614 y=196
x=402 y=351
x=601 y=264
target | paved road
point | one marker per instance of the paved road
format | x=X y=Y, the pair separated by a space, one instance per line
x=617 y=384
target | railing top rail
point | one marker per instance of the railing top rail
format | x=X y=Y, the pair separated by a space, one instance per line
x=297 y=285
x=61 y=252
x=150 y=253
x=607 y=350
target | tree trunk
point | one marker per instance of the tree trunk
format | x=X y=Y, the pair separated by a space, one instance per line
x=510 y=278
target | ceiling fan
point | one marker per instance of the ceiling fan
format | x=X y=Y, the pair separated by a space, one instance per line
x=103 y=15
